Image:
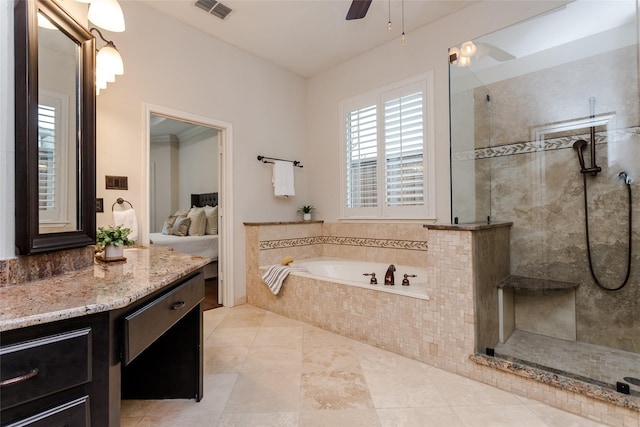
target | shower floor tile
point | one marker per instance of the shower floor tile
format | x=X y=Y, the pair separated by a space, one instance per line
x=589 y=362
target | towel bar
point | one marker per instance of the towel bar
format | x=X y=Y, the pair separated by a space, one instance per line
x=263 y=160
x=120 y=201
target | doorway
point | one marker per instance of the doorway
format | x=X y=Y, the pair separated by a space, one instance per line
x=201 y=147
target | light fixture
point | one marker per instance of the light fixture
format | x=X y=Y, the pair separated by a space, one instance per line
x=389 y=23
x=468 y=49
x=108 y=63
x=464 y=61
x=107 y=14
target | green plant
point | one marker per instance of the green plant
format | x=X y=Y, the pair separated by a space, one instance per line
x=306 y=209
x=111 y=235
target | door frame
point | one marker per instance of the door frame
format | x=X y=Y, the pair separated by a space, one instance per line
x=225 y=199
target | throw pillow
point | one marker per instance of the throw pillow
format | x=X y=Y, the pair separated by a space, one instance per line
x=198 y=222
x=212 y=219
x=181 y=212
x=167 y=227
x=181 y=226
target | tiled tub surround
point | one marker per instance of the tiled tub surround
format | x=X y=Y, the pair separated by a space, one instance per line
x=465 y=265
x=98 y=288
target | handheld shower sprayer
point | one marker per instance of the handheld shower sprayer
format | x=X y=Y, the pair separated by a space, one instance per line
x=625 y=177
x=579 y=146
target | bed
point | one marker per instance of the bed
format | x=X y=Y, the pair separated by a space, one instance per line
x=206 y=246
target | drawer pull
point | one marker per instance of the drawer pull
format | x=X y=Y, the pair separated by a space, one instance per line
x=177 y=305
x=20 y=378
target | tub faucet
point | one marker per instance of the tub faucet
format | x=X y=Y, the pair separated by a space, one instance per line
x=389 y=278
x=373 y=280
x=405 y=281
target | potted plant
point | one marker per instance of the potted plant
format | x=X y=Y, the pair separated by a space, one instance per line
x=113 y=240
x=306 y=211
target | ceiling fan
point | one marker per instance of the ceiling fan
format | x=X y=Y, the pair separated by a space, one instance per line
x=358 y=9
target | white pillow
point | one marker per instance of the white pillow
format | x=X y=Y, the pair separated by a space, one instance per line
x=198 y=222
x=212 y=219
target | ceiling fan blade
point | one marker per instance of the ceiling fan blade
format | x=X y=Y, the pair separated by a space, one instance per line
x=358 y=9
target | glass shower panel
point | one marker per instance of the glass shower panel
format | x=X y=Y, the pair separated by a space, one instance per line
x=555 y=150
x=470 y=172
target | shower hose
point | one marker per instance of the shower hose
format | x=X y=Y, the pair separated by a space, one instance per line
x=586 y=222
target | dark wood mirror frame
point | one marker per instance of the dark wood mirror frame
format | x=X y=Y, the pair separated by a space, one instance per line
x=29 y=239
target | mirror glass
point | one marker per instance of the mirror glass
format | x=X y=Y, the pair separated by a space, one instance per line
x=55 y=129
x=58 y=63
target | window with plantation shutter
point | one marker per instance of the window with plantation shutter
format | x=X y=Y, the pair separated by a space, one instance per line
x=53 y=162
x=388 y=145
x=46 y=157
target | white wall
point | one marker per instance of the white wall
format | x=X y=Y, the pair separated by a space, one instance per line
x=170 y=65
x=7 y=135
x=426 y=49
x=163 y=181
x=198 y=165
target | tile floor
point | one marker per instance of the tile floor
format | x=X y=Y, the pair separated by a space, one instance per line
x=262 y=369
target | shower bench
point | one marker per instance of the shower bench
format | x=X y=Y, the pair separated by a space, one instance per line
x=541 y=306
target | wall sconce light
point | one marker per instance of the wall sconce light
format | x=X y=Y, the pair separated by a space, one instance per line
x=106 y=14
x=468 y=49
x=108 y=63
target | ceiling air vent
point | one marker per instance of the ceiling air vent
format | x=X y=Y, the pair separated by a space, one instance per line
x=214 y=7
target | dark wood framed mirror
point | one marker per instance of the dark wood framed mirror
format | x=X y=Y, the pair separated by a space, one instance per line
x=55 y=129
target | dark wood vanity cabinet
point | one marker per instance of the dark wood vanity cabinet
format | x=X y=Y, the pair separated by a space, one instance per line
x=50 y=373
x=74 y=372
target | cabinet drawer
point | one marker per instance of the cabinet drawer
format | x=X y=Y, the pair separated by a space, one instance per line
x=37 y=368
x=71 y=414
x=144 y=326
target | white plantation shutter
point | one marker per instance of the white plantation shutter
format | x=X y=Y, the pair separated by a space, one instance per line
x=46 y=157
x=403 y=141
x=362 y=153
x=388 y=140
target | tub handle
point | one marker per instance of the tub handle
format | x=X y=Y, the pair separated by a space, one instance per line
x=405 y=281
x=373 y=280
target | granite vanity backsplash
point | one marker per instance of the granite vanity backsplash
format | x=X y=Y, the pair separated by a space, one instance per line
x=41 y=266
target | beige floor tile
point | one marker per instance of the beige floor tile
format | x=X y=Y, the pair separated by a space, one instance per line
x=340 y=418
x=273 y=359
x=225 y=337
x=465 y=391
x=212 y=318
x=314 y=337
x=265 y=392
x=556 y=418
x=439 y=416
x=402 y=389
x=280 y=336
x=497 y=416
x=130 y=421
x=330 y=358
x=224 y=360
x=281 y=419
x=181 y=419
x=243 y=318
x=135 y=408
x=273 y=319
x=335 y=390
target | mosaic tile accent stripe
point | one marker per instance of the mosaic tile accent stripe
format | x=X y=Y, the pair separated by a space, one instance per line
x=535 y=146
x=290 y=243
x=414 y=245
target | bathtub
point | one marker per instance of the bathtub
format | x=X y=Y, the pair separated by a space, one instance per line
x=351 y=273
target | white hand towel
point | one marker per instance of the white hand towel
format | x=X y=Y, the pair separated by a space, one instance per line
x=275 y=275
x=283 y=184
x=127 y=219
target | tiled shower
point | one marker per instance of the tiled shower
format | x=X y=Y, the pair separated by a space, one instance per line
x=514 y=125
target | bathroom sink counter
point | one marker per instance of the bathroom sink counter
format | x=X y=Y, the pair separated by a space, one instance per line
x=101 y=287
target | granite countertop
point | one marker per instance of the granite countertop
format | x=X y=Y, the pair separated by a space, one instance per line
x=101 y=287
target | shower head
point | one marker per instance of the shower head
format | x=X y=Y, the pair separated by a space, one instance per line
x=579 y=146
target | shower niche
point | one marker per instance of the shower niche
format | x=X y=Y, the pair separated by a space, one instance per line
x=527 y=119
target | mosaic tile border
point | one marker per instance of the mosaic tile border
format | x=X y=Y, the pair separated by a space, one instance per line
x=536 y=146
x=412 y=245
